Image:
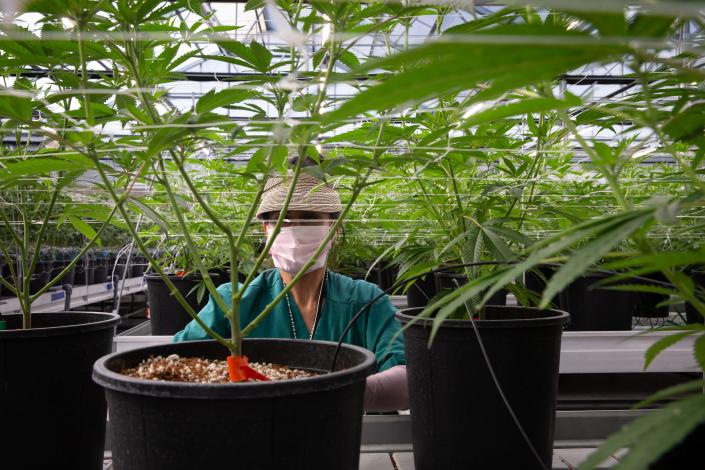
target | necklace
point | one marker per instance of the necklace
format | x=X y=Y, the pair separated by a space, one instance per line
x=315 y=317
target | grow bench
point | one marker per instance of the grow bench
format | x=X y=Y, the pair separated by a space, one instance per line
x=67 y=297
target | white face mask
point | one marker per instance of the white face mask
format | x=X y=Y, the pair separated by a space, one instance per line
x=295 y=245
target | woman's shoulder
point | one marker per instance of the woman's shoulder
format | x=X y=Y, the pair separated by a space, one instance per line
x=346 y=289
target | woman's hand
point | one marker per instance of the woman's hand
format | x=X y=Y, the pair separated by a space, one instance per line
x=387 y=391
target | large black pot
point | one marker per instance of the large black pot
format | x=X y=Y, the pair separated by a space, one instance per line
x=459 y=420
x=536 y=280
x=447 y=281
x=312 y=423
x=2 y=273
x=691 y=314
x=421 y=291
x=685 y=454
x=386 y=275
x=647 y=303
x=51 y=414
x=166 y=314
x=595 y=309
x=591 y=308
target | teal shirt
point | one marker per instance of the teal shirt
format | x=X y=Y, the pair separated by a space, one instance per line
x=374 y=330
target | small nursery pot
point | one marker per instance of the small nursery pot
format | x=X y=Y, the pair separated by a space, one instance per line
x=166 y=314
x=52 y=415
x=310 y=423
x=458 y=418
x=100 y=274
x=84 y=276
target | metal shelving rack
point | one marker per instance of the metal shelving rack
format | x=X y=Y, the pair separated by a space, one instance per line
x=77 y=296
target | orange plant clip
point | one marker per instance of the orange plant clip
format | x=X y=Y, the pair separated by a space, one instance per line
x=240 y=371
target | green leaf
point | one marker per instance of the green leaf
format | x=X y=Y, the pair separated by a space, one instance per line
x=349 y=59
x=548 y=248
x=650 y=436
x=505 y=15
x=16 y=107
x=262 y=56
x=213 y=100
x=659 y=346
x=608 y=24
x=649 y=289
x=254 y=4
x=659 y=261
x=168 y=136
x=443 y=67
x=151 y=214
x=501 y=250
x=85 y=229
x=591 y=252
x=700 y=351
x=44 y=165
x=257 y=160
x=645 y=25
x=524 y=106
x=688 y=125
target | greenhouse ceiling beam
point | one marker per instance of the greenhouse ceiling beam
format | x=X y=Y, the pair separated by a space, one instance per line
x=244 y=77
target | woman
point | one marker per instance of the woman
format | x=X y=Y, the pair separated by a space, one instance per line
x=321 y=304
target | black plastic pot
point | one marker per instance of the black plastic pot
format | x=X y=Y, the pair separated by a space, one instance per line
x=84 y=276
x=421 y=291
x=38 y=280
x=685 y=454
x=312 y=423
x=386 y=275
x=68 y=277
x=85 y=270
x=137 y=270
x=595 y=309
x=590 y=308
x=52 y=414
x=166 y=314
x=536 y=279
x=459 y=420
x=691 y=314
x=100 y=274
x=446 y=281
x=2 y=273
x=647 y=303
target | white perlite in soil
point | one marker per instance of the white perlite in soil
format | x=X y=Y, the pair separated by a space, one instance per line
x=174 y=368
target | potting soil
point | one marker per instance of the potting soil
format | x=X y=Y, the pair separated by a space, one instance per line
x=199 y=370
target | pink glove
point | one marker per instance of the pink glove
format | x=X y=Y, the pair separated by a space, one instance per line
x=387 y=391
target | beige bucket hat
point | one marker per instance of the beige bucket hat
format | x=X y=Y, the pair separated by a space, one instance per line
x=310 y=194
